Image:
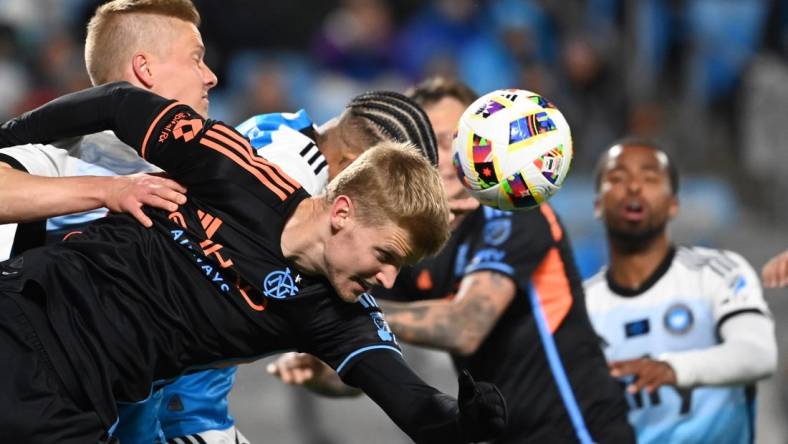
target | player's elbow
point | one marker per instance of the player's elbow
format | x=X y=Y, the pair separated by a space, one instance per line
x=467 y=344
x=763 y=361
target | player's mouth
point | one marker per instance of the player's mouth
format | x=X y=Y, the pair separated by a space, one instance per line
x=364 y=285
x=634 y=211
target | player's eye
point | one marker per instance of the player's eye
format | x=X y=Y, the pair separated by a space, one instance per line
x=386 y=257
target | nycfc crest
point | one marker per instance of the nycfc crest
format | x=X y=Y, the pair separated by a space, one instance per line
x=280 y=285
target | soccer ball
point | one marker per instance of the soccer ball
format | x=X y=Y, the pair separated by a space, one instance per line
x=512 y=149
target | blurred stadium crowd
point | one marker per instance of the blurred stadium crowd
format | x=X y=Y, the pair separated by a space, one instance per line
x=697 y=73
x=707 y=77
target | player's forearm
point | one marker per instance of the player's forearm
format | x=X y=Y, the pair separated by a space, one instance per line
x=425 y=414
x=329 y=384
x=748 y=353
x=25 y=198
x=120 y=107
x=439 y=324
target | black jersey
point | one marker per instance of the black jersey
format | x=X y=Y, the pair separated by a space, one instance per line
x=208 y=282
x=542 y=353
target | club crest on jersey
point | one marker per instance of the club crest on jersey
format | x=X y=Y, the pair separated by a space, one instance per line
x=497 y=231
x=384 y=331
x=280 y=284
x=678 y=319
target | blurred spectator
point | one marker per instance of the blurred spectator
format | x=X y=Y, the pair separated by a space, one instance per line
x=513 y=51
x=355 y=40
x=428 y=44
x=591 y=98
x=13 y=75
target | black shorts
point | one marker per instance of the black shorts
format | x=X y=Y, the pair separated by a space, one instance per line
x=35 y=405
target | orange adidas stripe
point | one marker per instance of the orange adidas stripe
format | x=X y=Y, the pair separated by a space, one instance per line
x=209 y=223
x=246 y=152
x=214 y=225
x=245 y=143
x=144 y=147
x=246 y=155
x=553 y=289
x=234 y=157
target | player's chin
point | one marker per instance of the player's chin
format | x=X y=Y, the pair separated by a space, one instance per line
x=351 y=292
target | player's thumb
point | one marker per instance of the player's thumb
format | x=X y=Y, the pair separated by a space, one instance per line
x=467 y=390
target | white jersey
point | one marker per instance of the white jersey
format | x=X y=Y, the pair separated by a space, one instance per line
x=680 y=308
x=275 y=135
x=100 y=154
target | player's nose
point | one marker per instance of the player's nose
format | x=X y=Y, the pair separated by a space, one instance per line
x=209 y=77
x=387 y=275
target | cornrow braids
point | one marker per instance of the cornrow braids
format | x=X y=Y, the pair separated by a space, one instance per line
x=393 y=116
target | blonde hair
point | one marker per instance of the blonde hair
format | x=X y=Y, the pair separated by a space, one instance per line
x=121 y=27
x=394 y=182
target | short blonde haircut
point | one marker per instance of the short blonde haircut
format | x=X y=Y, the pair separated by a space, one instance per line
x=394 y=182
x=121 y=27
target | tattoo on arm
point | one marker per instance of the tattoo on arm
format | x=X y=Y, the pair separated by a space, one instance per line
x=460 y=325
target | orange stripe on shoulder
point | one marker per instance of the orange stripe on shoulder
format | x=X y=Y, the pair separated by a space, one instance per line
x=555 y=227
x=258 y=160
x=251 y=159
x=553 y=289
x=144 y=147
x=240 y=162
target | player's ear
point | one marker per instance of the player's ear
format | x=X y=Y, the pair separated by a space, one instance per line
x=673 y=210
x=141 y=66
x=341 y=212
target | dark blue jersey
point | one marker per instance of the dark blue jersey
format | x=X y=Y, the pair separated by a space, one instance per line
x=208 y=284
x=542 y=353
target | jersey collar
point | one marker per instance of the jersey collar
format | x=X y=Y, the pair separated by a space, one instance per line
x=648 y=283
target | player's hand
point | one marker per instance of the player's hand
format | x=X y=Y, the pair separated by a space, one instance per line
x=482 y=409
x=649 y=374
x=297 y=368
x=127 y=194
x=775 y=272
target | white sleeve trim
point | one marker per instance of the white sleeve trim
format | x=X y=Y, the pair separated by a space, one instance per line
x=748 y=352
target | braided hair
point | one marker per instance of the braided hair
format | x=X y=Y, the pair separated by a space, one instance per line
x=392 y=116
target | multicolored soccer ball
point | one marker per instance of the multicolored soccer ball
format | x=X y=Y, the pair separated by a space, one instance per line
x=512 y=149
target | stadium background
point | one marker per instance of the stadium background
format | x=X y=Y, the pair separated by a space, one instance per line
x=707 y=77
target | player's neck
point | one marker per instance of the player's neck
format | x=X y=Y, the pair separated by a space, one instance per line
x=302 y=239
x=631 y=268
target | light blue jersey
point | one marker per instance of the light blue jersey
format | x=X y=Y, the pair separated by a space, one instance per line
x=197 y=402
x=680 y=308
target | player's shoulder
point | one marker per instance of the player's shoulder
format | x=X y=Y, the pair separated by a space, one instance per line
x=260 y=129
x=719 y=261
